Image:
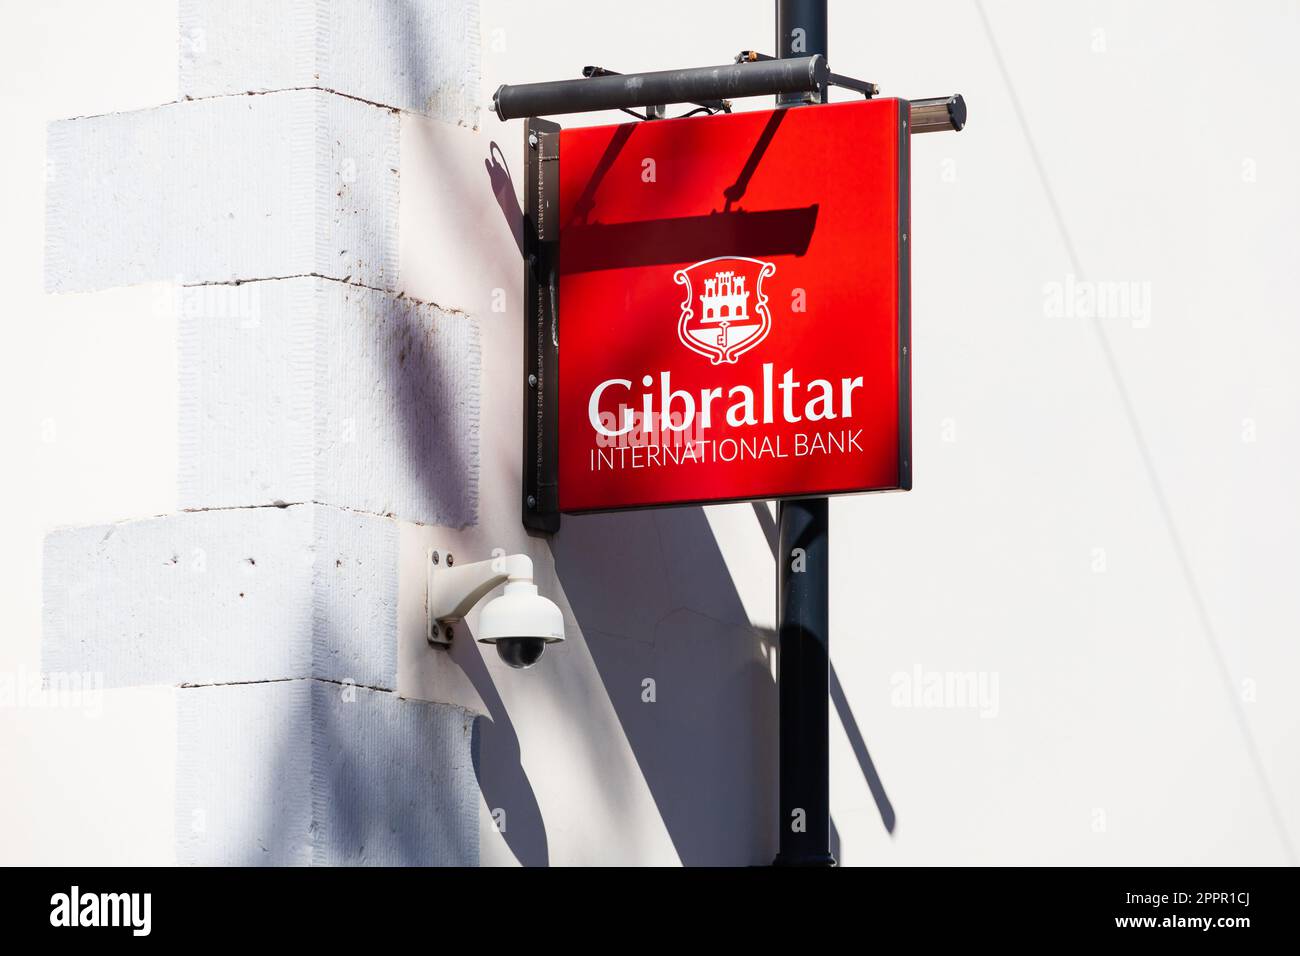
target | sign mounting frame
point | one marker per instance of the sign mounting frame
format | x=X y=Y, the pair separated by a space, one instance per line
x=540 y=499
x=541 y=239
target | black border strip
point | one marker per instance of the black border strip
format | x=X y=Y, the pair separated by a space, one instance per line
x=540 y=498
x=904 y=134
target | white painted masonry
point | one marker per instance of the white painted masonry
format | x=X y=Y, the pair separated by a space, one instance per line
x=419 y=57
x=225 y=597
x=311 y=390
x=315 y=407
x=1103 y=514
x=303 y=772
x=170 y=193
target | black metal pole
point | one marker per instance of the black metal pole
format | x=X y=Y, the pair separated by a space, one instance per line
x=803 y=587
x=803 y=682
x=800 y=31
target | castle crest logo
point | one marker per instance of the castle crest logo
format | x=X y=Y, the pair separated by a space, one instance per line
x=725 y=313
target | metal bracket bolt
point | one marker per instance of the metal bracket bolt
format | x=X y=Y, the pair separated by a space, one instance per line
x=440 y=635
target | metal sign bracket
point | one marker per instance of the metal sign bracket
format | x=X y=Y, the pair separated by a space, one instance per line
x=541 y=498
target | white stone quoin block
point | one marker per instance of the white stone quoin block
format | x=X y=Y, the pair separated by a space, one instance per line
x=316 y=407
x=312 y=390
x=218 y=597
x=309 y=772
x=417 y=55
x=248 y=187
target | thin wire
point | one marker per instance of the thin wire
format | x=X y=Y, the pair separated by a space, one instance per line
x=698 y=109
x=1148 y=463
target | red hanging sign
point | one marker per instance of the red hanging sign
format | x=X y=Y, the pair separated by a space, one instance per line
x=733 y=307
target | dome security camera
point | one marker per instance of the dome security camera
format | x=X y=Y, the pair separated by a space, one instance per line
x=520 y=622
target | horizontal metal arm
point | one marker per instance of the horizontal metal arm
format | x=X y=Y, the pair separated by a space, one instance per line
x=939 y=114
x=932 y=115
x=715 y=106
x=452 y=591
x=805 y=74
x=864 y=87
x=858 y=86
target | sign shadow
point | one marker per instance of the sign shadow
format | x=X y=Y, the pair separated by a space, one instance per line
x=687 y=674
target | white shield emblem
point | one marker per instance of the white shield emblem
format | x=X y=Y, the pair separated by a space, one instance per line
x=724 y=314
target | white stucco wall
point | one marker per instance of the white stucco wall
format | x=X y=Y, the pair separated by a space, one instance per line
x=1102 y=524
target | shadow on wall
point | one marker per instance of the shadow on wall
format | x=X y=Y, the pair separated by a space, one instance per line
x=656 y=603
x=842 y=710
x=333 y=774
x=503 y=188
x=686 y=672
x=421 y=369
x=499 y=767
x=688 y=675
